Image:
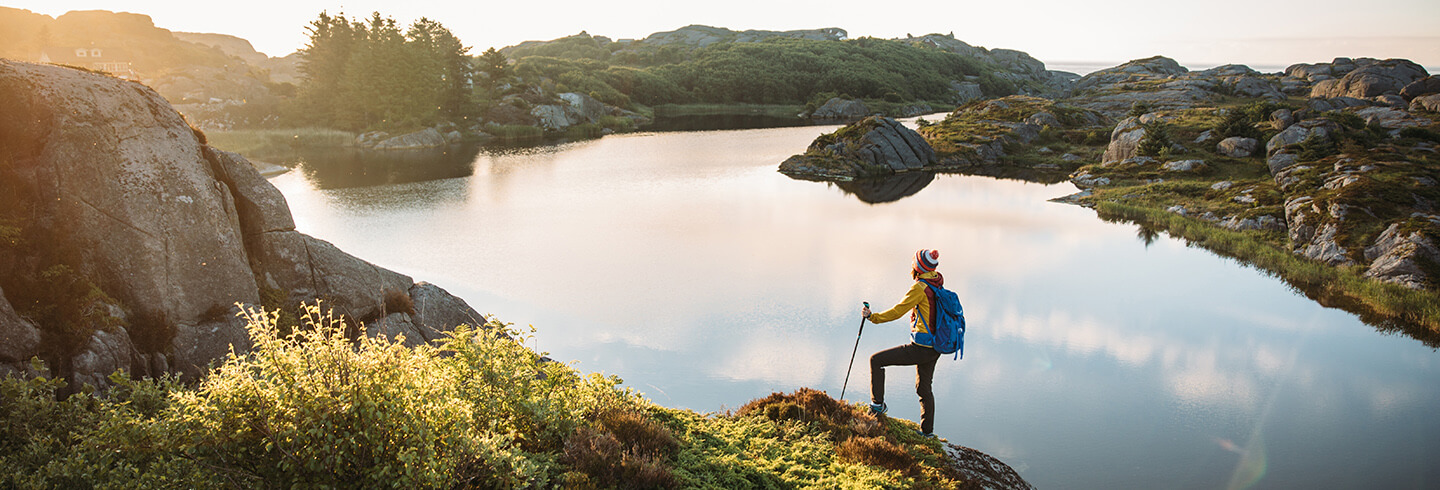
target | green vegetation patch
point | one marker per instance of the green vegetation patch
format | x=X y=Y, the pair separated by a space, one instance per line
x=316 y=408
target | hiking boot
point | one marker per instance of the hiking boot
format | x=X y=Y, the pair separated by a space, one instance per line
x=927 y=435
x=878 y=408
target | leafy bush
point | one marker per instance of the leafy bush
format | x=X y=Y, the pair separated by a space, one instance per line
x=315 y=408
x=1138 y=109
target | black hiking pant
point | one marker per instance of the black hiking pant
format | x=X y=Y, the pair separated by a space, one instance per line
x=912 y=354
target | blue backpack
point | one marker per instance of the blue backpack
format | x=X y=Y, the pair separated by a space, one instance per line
x=949 y=328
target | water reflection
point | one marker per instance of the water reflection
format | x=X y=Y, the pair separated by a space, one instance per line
x=887 y=189
x=721 y=122
x=686 y=264
x=348 y=167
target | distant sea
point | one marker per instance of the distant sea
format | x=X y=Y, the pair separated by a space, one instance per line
x=1086 y=67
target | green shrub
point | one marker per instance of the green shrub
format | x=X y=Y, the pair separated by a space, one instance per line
x=317 y=408
x=1138 y=109
x=1420 y=134
x=1156 y=142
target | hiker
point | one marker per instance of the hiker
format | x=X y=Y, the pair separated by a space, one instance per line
x=920 y=352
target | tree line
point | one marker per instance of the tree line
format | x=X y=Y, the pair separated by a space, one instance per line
x=368 y=73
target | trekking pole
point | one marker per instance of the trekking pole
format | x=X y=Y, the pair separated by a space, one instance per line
x=852 y=354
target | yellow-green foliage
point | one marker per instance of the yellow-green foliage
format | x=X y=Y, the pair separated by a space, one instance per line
x=315 y=408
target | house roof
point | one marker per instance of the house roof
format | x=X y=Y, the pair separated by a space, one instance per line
x=68 y=55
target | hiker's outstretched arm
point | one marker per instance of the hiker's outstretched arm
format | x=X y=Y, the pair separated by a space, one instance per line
x=913 y=297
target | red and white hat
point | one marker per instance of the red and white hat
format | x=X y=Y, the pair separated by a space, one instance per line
x=927 y=260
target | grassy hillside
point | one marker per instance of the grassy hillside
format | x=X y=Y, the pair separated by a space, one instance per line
x=318 y=409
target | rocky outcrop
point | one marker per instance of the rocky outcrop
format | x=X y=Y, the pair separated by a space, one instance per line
x=838 y=108
x=873 y=147
x=575 y=108
x=1403 y=258
x=1424 y=86
x=1124 y=141
x=159 y=234
x=1378 y=78
x=425 y=138
x=1158 y=82
x=699 y=36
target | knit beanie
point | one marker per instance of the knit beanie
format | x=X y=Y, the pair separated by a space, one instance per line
x=927 y=260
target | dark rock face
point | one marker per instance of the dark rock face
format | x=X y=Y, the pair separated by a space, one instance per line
x=887 y=189
x=1424 y=86
x=838 y=108
x=872 y=147
x=1379 y=78
x=116 y=193
x=981 y=470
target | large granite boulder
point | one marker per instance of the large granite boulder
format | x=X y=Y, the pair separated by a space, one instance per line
x=1424 y=86
x=155 y=236
x=1237 y=147
x=838 y=108
x=425 y=138
x=873 y=147
x=1124 y=141
x=1379 y=78
x=1426 y=103
x=1298 y=133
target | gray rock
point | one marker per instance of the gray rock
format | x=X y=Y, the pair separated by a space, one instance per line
x=19 y=339
x=1222 y=185
x=1429 y=103
x=1392 y=101
x=177 y=233
x=1043 y=119
x=1397 y=258
x=130 y=196
x=966 y=91
x=1384 y=77
x=1281 y=161
x=1323 y=247
x=437 y=311
x=1071 y=157
x=585 y=107
x=1237 y=147
x=1301 y=218
x=425 y=138
x=103 y=354
x=1139 y=161
x=1205 y=136
x=1184 y=165
x=1085 y=180
x=1299 y=132
x=1391 y=118
x=1124 y=141
x=1177 y=209
x=838 y=108
x=555 y=117
x=1424 y=86
x=1282 y=119
x=885 y=147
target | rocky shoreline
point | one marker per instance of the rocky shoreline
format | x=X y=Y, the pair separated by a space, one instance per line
x=1333 y=163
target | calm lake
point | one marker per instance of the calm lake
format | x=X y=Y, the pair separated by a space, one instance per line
x=685 y=264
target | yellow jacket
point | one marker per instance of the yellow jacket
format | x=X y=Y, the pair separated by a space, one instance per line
x=917 y=301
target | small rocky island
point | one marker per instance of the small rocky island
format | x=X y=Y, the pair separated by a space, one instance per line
x=1326 y=174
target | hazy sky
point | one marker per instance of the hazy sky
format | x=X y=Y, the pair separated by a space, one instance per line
x=1256 y=32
